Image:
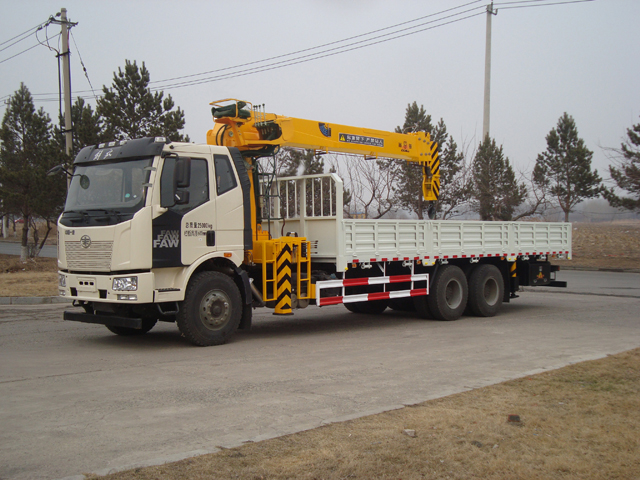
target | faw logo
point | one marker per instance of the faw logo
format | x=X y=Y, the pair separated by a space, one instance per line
x=167 y=239
x=85 y=241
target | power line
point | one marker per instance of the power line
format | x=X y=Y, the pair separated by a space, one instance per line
x=86 y=74
x=17 y=41
x=317 y=55
x=23 y=33
x=542 y=4
x=162 y=84
x=323 y=45
x=304 y=58
x=24 y=51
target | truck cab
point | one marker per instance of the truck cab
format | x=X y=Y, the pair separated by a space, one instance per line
x=141 y=216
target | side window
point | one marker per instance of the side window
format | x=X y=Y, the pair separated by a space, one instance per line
x=198 y=188
x=225 y=178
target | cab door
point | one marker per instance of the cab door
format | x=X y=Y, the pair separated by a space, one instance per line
x=229 y=205
x=199 y=222
x=180 y=233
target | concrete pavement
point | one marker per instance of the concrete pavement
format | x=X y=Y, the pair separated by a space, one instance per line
x=78 y=399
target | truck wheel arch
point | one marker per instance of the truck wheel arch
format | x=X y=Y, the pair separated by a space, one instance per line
x=218 y=263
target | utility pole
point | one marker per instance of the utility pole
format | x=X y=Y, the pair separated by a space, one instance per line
x=487 y=73
x=66 y=75
x=65 y=25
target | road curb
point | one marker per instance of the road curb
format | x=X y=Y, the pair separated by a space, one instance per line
x=32 y=300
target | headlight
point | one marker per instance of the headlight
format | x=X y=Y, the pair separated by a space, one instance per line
x=125 y=284
x=62 y=280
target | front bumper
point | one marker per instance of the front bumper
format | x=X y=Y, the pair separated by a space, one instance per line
x=109 y=320
x=98 y=288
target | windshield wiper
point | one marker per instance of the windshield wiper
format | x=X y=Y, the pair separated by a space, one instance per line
x=109 y=214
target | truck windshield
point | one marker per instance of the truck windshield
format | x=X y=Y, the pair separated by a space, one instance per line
x=109 y=186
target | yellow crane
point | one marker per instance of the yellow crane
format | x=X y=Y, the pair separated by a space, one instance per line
x=257 y=133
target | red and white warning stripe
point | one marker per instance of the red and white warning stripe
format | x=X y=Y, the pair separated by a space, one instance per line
x=448 y=257
x=365 y=297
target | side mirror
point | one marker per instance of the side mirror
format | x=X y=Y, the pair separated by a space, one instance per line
x=182 y=172
x=58 y=169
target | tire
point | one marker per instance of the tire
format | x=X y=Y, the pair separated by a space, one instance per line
x=421 y=307
x=147 y=324
x=448 y=295
x=375 y=307
x=211 y=311
x=486 y=290
x=353 y=307
x=403 y=304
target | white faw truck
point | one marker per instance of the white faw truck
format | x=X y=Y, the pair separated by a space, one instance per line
x=201 y=234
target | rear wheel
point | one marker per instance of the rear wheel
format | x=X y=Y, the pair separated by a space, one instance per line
x=353 y=307
x=374 y=307
x=403 y=304
x=211 y=310
x=486 y=290
x=147 y=324
x=448 y=295
x=421 y=307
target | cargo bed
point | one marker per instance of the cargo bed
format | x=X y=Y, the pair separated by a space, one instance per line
x=318 y=215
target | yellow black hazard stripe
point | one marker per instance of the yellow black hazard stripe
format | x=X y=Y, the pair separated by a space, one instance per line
x=283 y=275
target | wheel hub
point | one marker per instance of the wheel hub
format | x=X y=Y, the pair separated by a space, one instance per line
x=215 y=310
x=453 y=294
x=491 y=291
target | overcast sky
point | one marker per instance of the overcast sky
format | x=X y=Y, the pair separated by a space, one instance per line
x=581 y=58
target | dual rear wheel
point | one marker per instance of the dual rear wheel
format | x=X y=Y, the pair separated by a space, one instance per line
x=450 y=295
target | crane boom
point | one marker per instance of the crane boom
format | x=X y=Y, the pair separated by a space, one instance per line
x=257 y=133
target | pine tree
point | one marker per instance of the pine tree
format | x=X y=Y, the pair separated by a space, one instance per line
x=454 y=189
x=566 y=166
x=87 y=128
x=291 y=162
x=27 y=152
x=627 y=175
x=131 y=110
x=495 y=190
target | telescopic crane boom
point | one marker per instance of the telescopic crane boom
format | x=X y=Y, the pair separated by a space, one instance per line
x=257 y=133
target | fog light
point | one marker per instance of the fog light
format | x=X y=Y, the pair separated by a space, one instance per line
x=129 y=297
x=62 y=293
x=125 y=284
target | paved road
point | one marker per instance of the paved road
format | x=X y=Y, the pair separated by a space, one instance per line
x=597 y=283
x=11 y=248
x=76 y=398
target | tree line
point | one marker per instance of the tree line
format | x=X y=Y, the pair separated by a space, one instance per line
x=483 y=182
x=30 y=145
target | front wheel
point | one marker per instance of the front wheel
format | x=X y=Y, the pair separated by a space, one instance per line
x=147 y=324
x=211 y=310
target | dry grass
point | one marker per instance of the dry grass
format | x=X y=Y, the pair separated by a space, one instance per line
x=577 y=422
x=36 y=278
x=605 y=245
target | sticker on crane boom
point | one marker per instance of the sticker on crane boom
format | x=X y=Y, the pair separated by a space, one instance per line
x=361 y=140
x=325 y=129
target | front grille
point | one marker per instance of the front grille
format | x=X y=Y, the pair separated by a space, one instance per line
x=97 y=257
